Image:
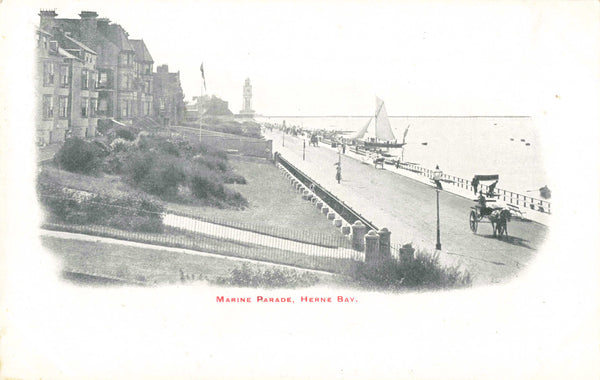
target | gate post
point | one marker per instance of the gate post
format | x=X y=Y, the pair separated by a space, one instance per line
x=358 y=236
x=372 y=247
x=384 y=243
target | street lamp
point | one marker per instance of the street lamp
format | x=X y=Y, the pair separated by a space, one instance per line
x=437 y=176
x=304 y=150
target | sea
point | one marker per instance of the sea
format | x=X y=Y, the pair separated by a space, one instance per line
x=461 y=146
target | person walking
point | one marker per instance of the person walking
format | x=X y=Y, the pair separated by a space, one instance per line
x=338 y=172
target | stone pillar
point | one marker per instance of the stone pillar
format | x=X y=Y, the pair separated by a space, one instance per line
x=407 y=253
x=346 y=230
x=372 y=247
x=358 y=236
x=384 y=242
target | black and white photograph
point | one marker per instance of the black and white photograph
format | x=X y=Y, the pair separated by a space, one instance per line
x=299 y=190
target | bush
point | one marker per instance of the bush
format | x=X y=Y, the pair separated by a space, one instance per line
x=131 y=214
x=248 y=276
x=125 y=134
x=421 y=272
x=79 y=156
x=207 y=186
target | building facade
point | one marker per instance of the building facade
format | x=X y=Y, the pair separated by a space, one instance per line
x=168 y=97
x=90 y=73
x=143 y=78
x=66 y=84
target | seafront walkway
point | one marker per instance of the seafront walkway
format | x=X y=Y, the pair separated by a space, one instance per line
x=407 y=207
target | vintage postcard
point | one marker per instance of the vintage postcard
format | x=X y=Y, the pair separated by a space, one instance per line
x=299 y=190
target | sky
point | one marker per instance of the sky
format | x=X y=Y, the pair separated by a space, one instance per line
x=333 y=58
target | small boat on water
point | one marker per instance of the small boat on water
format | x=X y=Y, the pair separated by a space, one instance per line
x=377 y=133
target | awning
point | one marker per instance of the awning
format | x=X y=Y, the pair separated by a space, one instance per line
x=486 y=177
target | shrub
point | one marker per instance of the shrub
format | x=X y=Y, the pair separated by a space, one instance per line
x=206 y=185
x=248 y=276
x=125 y=134
x=424 y=271
x=230 y=177
x=79 y=156
x=163 y=178
x=120 y=144
x=131 y=214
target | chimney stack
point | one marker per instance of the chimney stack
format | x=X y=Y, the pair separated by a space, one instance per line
x=47 y=17
x=88 y=25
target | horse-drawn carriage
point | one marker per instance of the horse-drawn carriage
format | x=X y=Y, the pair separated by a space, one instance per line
x=488 y=209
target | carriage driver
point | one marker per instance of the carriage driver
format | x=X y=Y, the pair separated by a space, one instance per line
x=482 y=202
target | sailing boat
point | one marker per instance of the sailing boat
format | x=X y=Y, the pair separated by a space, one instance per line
x=378 y=130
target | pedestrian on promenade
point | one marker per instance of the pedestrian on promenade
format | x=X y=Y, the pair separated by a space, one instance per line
x=338 y=172
x=475 y=183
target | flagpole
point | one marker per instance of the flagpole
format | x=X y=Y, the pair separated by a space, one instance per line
x=201 y=100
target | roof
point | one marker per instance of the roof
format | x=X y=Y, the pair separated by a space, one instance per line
x=118 y=35
x=141 y=51
x=66 y=54
x=79 y=44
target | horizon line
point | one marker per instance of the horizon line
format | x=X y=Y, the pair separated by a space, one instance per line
x=418 y=116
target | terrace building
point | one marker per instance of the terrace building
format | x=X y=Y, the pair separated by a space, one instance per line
x=122 y=69
x=143 y=78
x=168 y=96
x=66 y=83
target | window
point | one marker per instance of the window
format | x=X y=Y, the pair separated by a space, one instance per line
x=85 y=79
x=48 y=73
x=48 y=107
x=64 y=75
x=124 y=108
x=93 y=80
x=93 y=106
x=102 y=79
x=125 y=81
x=103 y=106
x=146 y=108
x=84 y=107
x=63 y=107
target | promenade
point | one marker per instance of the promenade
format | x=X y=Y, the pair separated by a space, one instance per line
x=408 y=208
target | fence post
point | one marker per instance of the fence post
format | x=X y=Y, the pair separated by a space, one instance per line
x=384 y=243
x=372 y=247
x=358 y=236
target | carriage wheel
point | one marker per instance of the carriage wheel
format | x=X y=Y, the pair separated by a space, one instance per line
x=473 y=221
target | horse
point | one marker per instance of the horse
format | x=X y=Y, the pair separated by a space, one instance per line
x=379 y=161
x=500 y=219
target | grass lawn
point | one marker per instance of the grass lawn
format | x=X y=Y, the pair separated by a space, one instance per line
x=274 y=207
x=273 y=202
x=144 y=265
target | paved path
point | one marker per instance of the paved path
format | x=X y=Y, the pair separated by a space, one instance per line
x=229 y=233
x=408 y=208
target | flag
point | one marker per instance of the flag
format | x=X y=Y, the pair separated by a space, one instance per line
x=202 y=71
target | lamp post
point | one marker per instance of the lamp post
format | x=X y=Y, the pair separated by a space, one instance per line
x=303 y=150
x=437 y=176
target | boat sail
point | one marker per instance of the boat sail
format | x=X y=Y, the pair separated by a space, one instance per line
x=377 y=133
